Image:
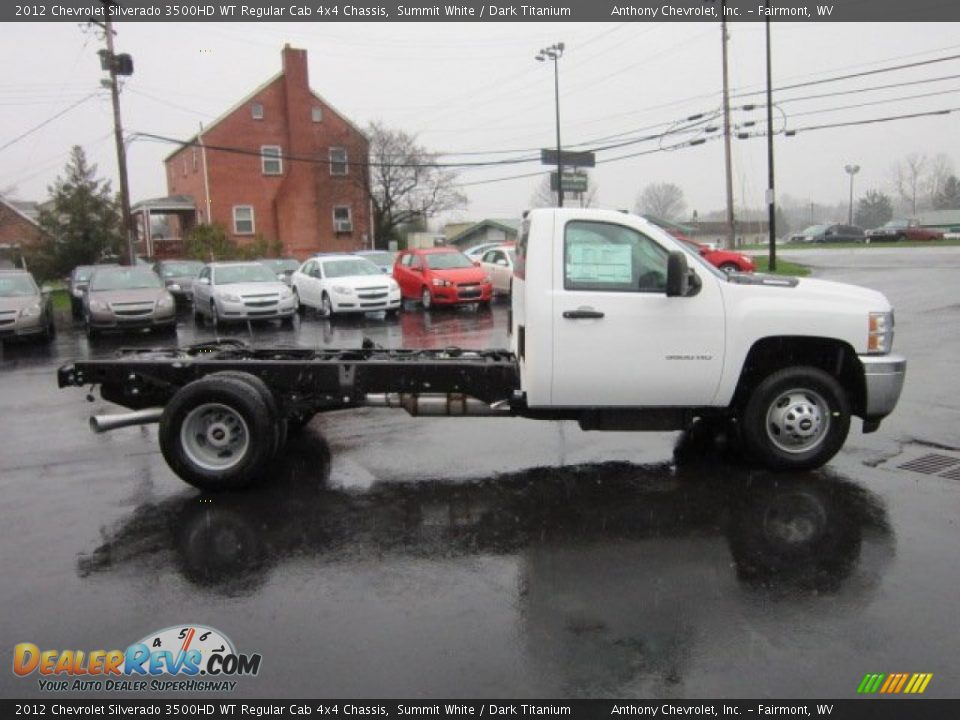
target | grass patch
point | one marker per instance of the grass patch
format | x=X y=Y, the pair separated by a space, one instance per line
x=60 y=300
x=784 y=267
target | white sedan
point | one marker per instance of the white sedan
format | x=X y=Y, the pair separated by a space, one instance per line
x=498 y=263
x=337 y=284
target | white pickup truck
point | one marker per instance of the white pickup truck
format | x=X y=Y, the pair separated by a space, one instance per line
x=614 y=324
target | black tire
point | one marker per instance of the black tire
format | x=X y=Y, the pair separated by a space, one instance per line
x=197 y=317
x=301 y=308
x=729 y=267
x=326 y=306
x=49 y=332
x=287 y=321
x=280 y=430
x=241 y=466
x=795 y=419
x=214 y=315
x=394 y=313
x=426 y=299
x=76 y=308
x=92 y=332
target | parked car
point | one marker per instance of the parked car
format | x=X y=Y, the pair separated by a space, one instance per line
x=178 y=276
x=127 y=298
x=441 y=276
x=336 y=284
x=727 y=260
x=283 y=267
x=25 y=310
x=498 y=263
x=383 y=259
x=476 y=252
x=229 y=291
x=77 y=283
x=902 y=229
x=827 y=233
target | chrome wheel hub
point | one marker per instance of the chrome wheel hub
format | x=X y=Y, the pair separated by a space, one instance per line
x=798 y=420
x=214 y=436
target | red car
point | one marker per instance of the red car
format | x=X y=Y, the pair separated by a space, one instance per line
x=441 y=276
x=726 y=260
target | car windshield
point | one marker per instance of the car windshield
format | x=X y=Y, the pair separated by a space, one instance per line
x=181 y=269
x=82 y=274
x=383 y=258
x=17 y=286
x=232 y=274
x=896 y=224
x=128 y=278
x=448 y=261
x=814 y=230
x=513 y=256
x=347 y=268
x=693 y=251
x=281 y=265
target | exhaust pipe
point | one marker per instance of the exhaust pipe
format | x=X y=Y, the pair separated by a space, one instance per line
x=437 y=404
x=105 y=423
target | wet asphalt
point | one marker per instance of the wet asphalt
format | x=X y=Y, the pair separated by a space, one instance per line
x=392 y=556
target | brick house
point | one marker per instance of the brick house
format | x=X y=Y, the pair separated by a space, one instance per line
x=19 y=229
x=297 y=178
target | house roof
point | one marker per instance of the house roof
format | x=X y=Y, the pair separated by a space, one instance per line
x=508 y=225
x=29 y=211
x=247 y=98
x=940 y=217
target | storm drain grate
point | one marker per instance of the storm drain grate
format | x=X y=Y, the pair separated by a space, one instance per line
x=951 y=474
x=931 y=464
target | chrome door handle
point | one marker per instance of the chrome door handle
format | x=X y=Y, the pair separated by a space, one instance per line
x=582 y=313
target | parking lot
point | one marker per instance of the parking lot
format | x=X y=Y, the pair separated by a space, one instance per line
x=395 y=556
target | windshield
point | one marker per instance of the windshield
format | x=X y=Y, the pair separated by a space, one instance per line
x=513 y=256
x=181 y=269
x=232 y=274
x=814 y=230
x=281 y=265
x=83 y=273
x=693 y=251
x=448 y=261
x=896 y=224
x=346 y=268
x=383 y=258
x=128 y=278
x=17 y=286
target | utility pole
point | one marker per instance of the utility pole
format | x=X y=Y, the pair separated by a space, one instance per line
x=771 y=196
x=731 y=231
x=110 y=62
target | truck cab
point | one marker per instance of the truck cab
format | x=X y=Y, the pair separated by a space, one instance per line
x=617 y=319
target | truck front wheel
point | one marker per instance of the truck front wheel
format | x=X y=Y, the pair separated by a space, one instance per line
x=217 y=433
x=796 y=419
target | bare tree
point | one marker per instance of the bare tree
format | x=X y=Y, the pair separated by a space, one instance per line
x=405 y=183
x=908 y=176
x=543 y=196
x=663 y=200
x=939 y=169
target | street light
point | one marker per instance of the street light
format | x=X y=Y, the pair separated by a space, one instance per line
x=555 y=52
x=851 y=171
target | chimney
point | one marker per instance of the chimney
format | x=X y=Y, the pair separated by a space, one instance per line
x=295 y=66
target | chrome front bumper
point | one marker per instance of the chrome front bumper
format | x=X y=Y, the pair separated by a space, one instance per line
x=883 y=380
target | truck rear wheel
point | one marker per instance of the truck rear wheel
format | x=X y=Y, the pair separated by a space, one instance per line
x=217 y=433
x=280 y=425
x=796 y=419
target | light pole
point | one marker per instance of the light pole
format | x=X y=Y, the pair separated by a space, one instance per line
x=555 y=52
x=851 y=171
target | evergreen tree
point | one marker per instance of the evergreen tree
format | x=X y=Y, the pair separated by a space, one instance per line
x=949 y=196
x=873 y=210
x=83 y=222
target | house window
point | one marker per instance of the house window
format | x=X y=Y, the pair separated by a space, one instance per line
x=342 y=223
x=316 y=113
x=256 y=111
x=338 y=161
x=243 y=219
x=184 y=164
x=271 y=160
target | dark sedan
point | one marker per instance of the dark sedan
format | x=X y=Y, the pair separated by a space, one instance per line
x=829 y=234
x=25 y=311
x=178 y=276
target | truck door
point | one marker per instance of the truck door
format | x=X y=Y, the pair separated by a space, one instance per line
x=618 y=339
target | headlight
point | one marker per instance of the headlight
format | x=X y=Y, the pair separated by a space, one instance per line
x=98 y=305
x=32 y=310
x=165 y=301
x=880 y=333
x=230 y=297
x=173 y=286
x=394 y=287
x=285 y=293
x=440 y=282
x=342 y=290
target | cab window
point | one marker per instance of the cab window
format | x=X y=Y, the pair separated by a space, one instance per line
x=612 y=258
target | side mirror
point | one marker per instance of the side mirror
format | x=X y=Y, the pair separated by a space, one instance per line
x=203 y=280
x=678 y=274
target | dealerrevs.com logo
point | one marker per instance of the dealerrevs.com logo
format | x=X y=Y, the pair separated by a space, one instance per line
x=183 y=658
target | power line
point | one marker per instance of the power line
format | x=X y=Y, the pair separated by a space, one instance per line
x=49 y=120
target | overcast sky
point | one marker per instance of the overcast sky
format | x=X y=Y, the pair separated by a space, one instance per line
x=476 y=87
